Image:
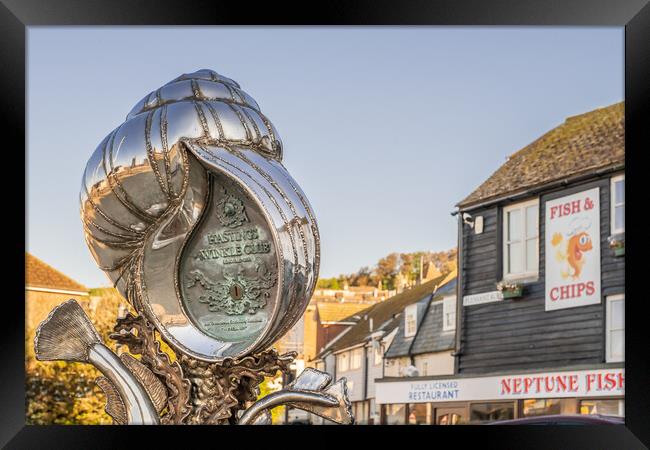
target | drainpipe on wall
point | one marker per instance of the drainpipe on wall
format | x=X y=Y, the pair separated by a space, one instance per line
x=365 y=373
x=459 y=291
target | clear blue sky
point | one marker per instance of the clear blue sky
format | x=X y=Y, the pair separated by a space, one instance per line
x=385 y=128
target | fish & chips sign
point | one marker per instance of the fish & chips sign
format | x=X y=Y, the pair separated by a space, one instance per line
x=573 y=250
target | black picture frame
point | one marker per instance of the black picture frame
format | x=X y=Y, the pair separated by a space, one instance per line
x=16 y=15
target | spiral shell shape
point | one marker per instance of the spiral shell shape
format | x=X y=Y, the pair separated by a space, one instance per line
x=146 y=186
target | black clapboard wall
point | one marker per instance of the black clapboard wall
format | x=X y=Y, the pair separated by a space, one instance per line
x=518 y=334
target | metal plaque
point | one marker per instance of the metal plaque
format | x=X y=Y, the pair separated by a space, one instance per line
x=228 y=269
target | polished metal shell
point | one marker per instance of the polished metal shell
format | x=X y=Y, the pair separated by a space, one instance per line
x=146 y=190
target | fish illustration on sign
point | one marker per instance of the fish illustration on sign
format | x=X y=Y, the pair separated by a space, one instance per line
x=572 y=249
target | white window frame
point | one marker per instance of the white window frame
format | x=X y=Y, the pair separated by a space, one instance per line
x=411 y=328
x=531 y=274
x=448 y=307
x=340 y=358
x=355 y=358
x=608 y=328
x=612 y=213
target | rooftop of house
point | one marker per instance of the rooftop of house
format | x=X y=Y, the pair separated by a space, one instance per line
x=430 y=336
x=583 y=144
x=41 y=275
x=383 y=315
x=337 y=311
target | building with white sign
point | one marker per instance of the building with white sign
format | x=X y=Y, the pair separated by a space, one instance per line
x=540 y=323
x=357 y=353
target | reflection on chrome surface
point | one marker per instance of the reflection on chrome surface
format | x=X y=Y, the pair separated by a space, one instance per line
x=188 y=209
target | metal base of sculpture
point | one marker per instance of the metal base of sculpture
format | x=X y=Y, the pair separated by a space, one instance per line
x=158 y=389
x=200 y=392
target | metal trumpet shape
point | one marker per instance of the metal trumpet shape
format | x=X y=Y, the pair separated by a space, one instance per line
x=68 y=335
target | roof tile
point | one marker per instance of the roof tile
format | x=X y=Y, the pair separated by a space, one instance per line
x=42 y=275
x=382 y=312
x=587 y=142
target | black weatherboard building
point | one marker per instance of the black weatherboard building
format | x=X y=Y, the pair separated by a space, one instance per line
x=541 y=284
x=521 y=333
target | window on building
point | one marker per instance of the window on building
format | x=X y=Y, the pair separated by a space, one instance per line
x=610 y=407
x=485 y=412
x=342 y=361
x=548 y=406
x=359 y=411
x=419 y=414
x=615 y=331
x=410 y=320
x=449 y=314
x=618 y=204
x=425 y=368
x=395 y=414
x=521 y=240
x=355 y=360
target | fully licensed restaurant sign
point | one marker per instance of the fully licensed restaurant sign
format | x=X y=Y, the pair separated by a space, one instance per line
x=573 y=250
x=582 y=383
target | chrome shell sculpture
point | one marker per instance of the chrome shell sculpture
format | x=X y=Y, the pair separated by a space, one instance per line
x=187 y=208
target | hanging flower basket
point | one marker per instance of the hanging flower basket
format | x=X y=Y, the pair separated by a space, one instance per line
x=510 y=290
x=617 y=244
x=513 y=293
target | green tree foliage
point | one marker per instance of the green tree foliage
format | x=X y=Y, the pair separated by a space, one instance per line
x=387 y=268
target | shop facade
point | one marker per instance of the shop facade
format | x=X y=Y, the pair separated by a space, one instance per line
x=358 y=353
x=468 y=400
x=540 y=316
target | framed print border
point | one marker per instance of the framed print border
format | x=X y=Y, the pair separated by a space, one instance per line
x=17 y=15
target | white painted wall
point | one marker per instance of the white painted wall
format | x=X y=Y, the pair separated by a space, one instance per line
x=394 y=366
x=374 y=371
x=441 y=363
x=354 y=381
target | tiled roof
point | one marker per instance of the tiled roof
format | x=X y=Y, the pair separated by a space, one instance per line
x=382 y=312
x=400 y=345
x=337 y=311
x=42 y=275
x=582 y=144
x=429 y=336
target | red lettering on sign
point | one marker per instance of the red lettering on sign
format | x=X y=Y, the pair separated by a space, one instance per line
x=528 y=382
x=549 y=386
x=590 y=380
x=572 y=291
x=610 y=381
x=565 y=209
x=505 y=386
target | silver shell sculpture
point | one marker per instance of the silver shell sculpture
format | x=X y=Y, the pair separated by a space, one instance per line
x=187 y=208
